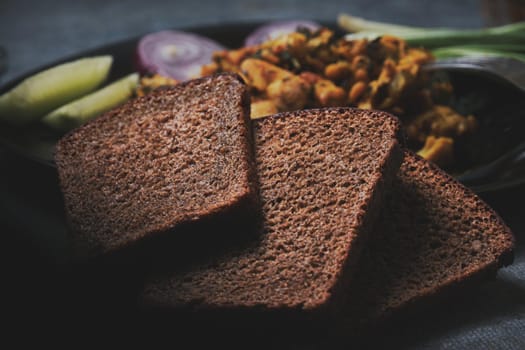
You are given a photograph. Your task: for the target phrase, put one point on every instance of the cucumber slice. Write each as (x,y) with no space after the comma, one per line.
(88,107)
(53,87)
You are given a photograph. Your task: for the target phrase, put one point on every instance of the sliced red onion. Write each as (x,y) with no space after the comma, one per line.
(274,29)
(175,54)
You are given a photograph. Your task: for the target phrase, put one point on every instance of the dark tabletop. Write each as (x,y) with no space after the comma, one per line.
(36,33)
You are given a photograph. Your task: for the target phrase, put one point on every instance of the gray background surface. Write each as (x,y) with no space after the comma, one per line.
(36,33)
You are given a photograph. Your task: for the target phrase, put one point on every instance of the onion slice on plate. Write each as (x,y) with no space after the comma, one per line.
(274,29)
(175,54)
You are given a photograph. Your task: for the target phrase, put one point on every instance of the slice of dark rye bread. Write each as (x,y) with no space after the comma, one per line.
(433,235)
(175,156)
(322,175)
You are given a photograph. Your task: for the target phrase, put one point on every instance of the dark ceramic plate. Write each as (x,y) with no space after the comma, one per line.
(501,115)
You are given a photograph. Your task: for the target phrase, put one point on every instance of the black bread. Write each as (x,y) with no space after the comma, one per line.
(321,178)
(433,234)
(172,157)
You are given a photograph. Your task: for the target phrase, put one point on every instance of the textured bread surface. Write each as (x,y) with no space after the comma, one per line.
(321,177)
(433,234)
(174,156)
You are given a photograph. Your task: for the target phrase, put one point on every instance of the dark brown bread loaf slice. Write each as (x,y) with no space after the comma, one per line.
(433,234)
(175,156)
(321,177)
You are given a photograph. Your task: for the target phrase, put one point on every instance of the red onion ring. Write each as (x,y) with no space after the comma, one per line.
(274,29)
(175,54)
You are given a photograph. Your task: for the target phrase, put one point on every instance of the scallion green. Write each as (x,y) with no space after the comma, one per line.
(506,41)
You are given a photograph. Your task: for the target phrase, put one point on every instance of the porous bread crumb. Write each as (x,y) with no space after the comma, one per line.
(321,175)
(174,156)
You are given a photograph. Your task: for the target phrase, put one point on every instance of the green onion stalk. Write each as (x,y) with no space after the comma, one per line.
(503,41)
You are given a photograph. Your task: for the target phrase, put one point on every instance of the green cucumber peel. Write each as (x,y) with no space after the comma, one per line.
(80,111)
(41,93)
